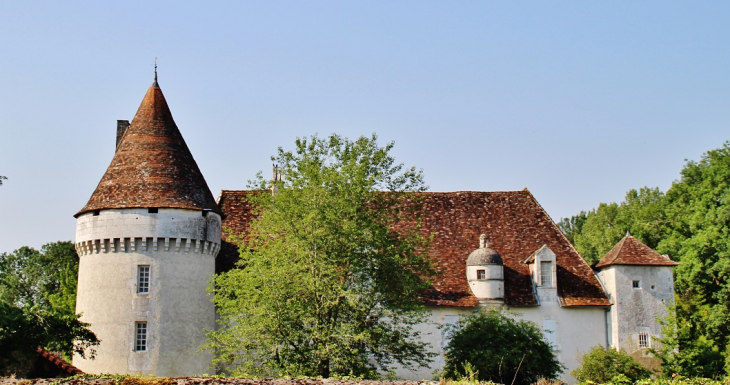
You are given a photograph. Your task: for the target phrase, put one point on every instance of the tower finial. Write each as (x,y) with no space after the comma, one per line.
(154,84)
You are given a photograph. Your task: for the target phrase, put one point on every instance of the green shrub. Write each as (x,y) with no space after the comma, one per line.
(493,347)
(603,365)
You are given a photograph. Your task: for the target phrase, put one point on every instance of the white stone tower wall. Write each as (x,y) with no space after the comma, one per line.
(636,308)
(180,247)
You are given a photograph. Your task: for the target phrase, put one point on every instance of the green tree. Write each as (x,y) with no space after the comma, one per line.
(500,348)
(642,213)
(33,278)
(573,226)
(2,178)
(37,300)
(601,365)
(683,351)
(326,285)
(698,209)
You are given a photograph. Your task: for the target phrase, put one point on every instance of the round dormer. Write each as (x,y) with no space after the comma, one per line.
(485,271)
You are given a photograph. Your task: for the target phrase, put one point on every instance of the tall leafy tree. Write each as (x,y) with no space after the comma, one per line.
(698,210)
(327,286)
(642,213)
(500,349)
(37,302)
(2,178)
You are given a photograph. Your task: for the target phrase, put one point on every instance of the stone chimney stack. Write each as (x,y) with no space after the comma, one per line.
(122,126)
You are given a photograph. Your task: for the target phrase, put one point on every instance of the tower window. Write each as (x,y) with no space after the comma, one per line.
(546,274)
(140,336)
(481,274)
(644,339)
(153,210)
(143,279)
(636,284)
(96,213)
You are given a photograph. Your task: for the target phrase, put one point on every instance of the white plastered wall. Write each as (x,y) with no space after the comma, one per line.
(577,330)
(636,309)
(179,246)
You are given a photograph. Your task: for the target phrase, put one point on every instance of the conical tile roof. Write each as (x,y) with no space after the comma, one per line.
(152,166)
(630,251)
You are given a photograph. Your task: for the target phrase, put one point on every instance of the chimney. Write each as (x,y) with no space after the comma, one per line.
(275,178)
(122,126)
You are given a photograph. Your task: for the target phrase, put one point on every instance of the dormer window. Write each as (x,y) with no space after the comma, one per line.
(546,273)
(481,274)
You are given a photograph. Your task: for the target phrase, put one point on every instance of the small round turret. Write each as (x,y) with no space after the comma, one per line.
(485,271)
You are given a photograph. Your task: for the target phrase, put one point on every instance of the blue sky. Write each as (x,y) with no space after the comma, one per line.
(577,101)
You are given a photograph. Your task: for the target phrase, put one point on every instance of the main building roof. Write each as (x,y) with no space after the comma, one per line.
(152,166)
(515,223)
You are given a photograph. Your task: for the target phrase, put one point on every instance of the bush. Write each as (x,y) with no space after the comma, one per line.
(499,349)
(602,365)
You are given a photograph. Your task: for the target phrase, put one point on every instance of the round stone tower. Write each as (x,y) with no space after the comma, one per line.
(485,272)
(147,241)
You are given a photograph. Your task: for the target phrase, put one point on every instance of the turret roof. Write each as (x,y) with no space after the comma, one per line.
(630,251)
(152,166)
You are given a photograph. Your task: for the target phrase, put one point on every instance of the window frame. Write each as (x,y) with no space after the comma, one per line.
(140,336)
(481,274)
(644,339)
(546,278)
(143,279)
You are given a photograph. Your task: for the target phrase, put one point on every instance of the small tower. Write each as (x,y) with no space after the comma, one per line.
(147,241)
(640,285)
(485,272)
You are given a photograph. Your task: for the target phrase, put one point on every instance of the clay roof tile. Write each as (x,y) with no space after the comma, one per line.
(631,251)
(515,223)
(152,166)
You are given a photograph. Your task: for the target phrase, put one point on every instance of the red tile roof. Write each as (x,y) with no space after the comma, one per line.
(152,166)
(58,361)
(516,225)
(630,251)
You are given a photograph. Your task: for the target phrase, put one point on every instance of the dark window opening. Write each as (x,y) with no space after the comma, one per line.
(153,210)
(636,284)
(481,274)
(97,212)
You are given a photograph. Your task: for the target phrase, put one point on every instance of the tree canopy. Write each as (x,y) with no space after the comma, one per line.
(37,306)
(500,349)
(691,224)
(326,286)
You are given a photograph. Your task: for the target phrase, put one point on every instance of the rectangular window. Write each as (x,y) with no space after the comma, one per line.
(140,336)
(549,328)
(644,339)
(143,279)
(546,274)
(481,274)
(636,284)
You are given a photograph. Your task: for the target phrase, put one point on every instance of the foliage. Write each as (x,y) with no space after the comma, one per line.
(2,178)
(45,278)
(37,300)
(326,286)
(596,232)
(501,349)
(691,224)
(602,365)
